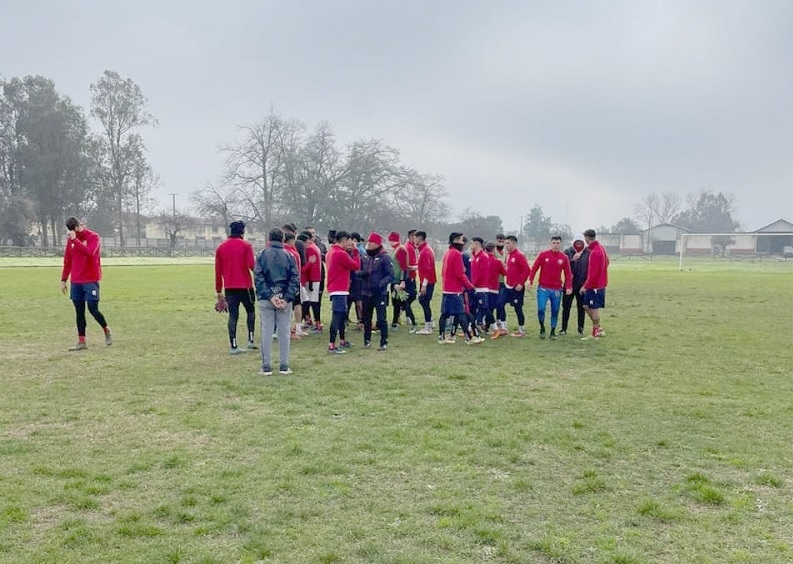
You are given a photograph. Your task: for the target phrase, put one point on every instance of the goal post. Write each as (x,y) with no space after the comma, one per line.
(737,244)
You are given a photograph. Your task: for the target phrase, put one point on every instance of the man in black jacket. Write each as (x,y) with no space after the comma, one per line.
(377,275)
(277,282)
(578,254)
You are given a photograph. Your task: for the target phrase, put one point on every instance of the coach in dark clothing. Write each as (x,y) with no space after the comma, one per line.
(578,254)
(376,276)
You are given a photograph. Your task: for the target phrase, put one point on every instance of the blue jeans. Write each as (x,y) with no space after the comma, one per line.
(543,295)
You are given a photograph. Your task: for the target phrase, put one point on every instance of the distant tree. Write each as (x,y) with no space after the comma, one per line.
(216,202)
(143,180)
(625,226)
(16,213)
(420,201)
(563,230)
(173,222)
(121,108)
(537,225)
(473,224)
(645,211)
(709,212)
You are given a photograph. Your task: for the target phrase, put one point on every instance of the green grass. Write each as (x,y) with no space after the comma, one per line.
(667,441)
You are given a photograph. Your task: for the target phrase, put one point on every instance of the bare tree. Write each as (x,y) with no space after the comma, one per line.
(669,204)
(216,201)
(645,212)
(173,222)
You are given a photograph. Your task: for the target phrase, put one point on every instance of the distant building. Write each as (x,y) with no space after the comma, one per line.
(662,239)
(770,241)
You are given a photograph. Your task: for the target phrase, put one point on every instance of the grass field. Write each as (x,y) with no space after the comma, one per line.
(667,441)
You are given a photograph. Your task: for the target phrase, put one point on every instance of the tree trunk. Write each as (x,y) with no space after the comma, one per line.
(44,238)
(137,219)
(121,241)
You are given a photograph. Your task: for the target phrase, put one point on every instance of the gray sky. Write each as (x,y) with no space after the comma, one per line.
(582,106)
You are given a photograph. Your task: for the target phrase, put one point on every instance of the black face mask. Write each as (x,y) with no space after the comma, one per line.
(458,246)
(499,247)
(373,252)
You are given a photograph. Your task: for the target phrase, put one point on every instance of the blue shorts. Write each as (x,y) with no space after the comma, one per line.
(452,304)
(544,294)
(595,299)
(482,300)
(338,304)
(515,297)
(87,292)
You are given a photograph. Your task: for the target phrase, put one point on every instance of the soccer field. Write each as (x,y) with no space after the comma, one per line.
(667,441)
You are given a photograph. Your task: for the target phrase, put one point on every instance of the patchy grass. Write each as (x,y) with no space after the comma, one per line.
(667,441)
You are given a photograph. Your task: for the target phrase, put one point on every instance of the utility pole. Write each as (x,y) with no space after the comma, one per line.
(173,196)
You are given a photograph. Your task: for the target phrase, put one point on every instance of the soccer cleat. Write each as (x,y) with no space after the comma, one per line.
(108,338)
(252,346)
(496,335)
(518,334)
(552,336)
(382,348)
(345,344)
(542,333)
(334,350)
(424,331)
(562,332)
(601,332)
(81,346)
(413,330)
(580,332)
(474,341)
(395,326)
(266,371)
(367,344)
(285,370)
(449,340)
(236,350)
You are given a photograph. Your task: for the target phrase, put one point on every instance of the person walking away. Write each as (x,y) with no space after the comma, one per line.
(234,262)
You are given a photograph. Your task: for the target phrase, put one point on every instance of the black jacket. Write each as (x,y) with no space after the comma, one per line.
(276,274)
(579,267)
(376,274)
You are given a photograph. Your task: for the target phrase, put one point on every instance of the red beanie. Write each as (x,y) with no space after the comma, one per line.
(393,237)
(375,238)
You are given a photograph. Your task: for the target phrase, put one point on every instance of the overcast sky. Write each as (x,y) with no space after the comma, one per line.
(581,106)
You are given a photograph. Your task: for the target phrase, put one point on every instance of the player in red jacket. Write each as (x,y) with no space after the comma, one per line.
(517,272)
(427,279)
(551,265)
(82,264)
(594,289)
(234,262)
(454,284)
(339,264)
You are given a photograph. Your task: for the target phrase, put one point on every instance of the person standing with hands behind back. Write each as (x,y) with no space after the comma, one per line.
(82,263)
(277,282)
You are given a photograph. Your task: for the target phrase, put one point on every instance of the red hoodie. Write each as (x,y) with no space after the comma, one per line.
(426,264)
(338,265)
(597,272)
(495,270)
(480,269)
(312,270)
(453,272)
(551,265)
(234,262)
(81,258)
(517,269)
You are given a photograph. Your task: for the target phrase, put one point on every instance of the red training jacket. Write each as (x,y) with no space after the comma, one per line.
(551,265)
(338,265)
(292,250)
(453,272)
(312,270)
(234,262)
(495,270)
(412,259)
(81,258)
(517,268)
(426,264)
(597,276)
(480,268)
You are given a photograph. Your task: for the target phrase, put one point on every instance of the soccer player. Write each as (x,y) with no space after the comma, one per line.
(311,276)
(297,307)
(356,250)
(234,262)
(578,254)
(82,264)
(594,288)
(410,283)
(339,263)
(495,270)
(401,266)
(377,274)
(427,279)
(480,267)
(515,281)
(501,301)
(277,282)
(454,284)
(551,264)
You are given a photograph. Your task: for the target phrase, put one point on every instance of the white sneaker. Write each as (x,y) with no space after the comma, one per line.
(424,331)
